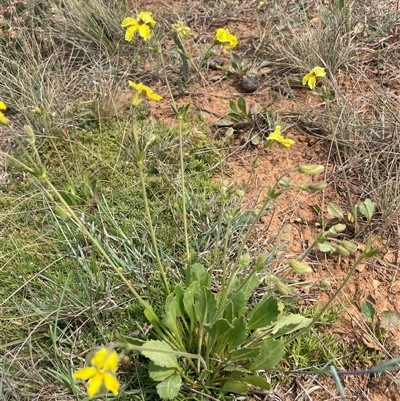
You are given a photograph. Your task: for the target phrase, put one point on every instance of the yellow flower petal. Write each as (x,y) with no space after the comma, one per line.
(111,383)
(130,32)
(146,18)
(85,373)
(226,38)
(128,21)
(143,88)
(181,29)
(3,106)
(319,71)
(95,385)
(3,119)
(277,136)
(145,31)
(111,362)
(99,358)
(286,142)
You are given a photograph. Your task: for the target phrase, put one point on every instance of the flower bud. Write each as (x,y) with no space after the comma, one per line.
(311,169)
(337,228)
(313,186)
(349,246)
(341,250)
(284,182)
(261,258)
(300,267)
(30,134)
(280,286)
(244,260)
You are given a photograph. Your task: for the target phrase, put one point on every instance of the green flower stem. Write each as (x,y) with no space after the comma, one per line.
(139,161)
(182,164)
(182,168)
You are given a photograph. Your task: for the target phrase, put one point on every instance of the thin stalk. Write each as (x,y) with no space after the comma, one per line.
(139,161)
(183,188)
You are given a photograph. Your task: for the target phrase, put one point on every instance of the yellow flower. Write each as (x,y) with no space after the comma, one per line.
(145,17)
(142,90)
(144,24)
(311,77)
(276,136)
(101,374)
(3,118)
(224,37)
(181,29)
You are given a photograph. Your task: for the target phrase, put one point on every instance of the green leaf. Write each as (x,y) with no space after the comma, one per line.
(205,305)
(326,247)
(234,386)
(219,329)
(159,373)
(367,209)
(257,382)
(245,353)
(271,353)
(169,388)
(368,310)
(199,273)
(233,107)
(236,370)
(335,210)
(242,105)
(157,354)
(179,293)
(264,314)
(290,323)
(170,319)
(238,334)
(188,301)
(390,320)
(224,122)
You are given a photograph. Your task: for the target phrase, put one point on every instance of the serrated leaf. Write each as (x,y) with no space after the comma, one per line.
(159,373)
(335,210)
(264,314)
(368,310)
(155,352)
(169,388)
(205,305)
(390,320)
(290,323)
(234,386)
(257,382)
(271,353)
(367,209)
